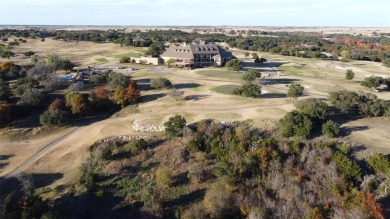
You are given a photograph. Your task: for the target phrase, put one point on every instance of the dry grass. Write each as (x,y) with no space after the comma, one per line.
(319,77)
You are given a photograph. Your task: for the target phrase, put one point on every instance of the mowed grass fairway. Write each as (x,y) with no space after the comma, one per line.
(225,89)
(224,74)
(103,60)
(134,53)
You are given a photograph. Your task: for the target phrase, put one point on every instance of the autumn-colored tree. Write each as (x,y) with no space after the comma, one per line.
(119,96)
(100,99)
(79,103)
(5,67)
(57,104)
(101,92)
(132,93)
(371,206)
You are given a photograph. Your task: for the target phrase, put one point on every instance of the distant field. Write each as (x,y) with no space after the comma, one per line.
(103,60)
(221,74)
(225,89)
(134,53)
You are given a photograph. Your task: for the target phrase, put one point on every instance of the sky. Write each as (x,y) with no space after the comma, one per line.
(351,13)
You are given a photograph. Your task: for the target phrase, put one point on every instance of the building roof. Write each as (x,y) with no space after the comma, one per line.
(189,50)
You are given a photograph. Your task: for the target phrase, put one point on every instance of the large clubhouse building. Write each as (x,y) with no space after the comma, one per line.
(196,55)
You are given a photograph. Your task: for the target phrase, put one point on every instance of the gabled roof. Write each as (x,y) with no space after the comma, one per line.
(188,51)
(181,51)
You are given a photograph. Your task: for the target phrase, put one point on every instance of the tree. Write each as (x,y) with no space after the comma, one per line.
(66,65)
(345,55)
(371,106)
(345,101)
(119,96)
(132,93)
(296,124)
(52,82)
(79,103)
(175,93)
(234,64)
(379,163)
(295,90)
(372,82)
(53,118)
(155,49)
(174,126)
(217,200)
(118,80)
(53,60)
(170,61)
(21,85)
(349,75)
(124,59)
(246,54)
(57,104)
(348,168)
(97,79)
(314,108)
(248,90)
(330,129)
(40,72)
(29,53)
(160,83)
(32,96)
(251,75)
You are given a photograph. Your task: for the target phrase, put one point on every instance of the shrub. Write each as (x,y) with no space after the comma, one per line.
(234,64)
(196,211)
(174,126)
(160,83)
(346,167)
(370,106)
(164,177)
(372,82)
(135,146)
(380,163)
(251,75)
(330,129)
(217,200)
(296,124)
(345,101)
(314,108)
(124,60)
(349,75)
(295,90)
(53,118)
(248,90)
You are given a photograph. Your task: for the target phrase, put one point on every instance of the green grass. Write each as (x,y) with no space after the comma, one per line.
(225,89)
(103,60)
(133,53)
(304,70)
(221,74)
